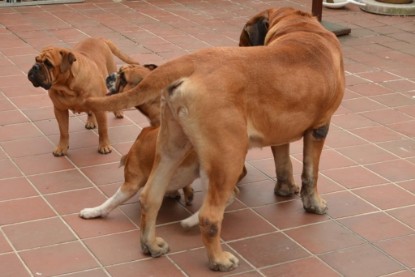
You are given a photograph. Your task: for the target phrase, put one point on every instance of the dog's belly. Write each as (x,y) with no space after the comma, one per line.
(185,176)
(276,132)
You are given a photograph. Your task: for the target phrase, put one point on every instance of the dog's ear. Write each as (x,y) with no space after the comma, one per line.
(68,58)
(255,30)
(150,66)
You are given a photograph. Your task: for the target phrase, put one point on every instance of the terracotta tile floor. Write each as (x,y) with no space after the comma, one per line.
(367,168)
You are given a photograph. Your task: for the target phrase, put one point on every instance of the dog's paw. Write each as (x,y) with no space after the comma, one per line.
(106,149)
(191,221)
(286,189)
(60,151)
(88,213)
(156,249)
(119,114)
(314,204)
(225,262)
(90,125)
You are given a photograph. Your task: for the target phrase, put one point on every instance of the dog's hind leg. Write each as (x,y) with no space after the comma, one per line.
(110,204)
(172,148)
(285,185)
(313,145)
(134,180)
(91,121)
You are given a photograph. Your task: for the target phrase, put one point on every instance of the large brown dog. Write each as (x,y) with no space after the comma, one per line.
(71,76)
(220,102)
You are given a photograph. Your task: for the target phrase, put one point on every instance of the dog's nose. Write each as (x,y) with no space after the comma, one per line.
(35,67)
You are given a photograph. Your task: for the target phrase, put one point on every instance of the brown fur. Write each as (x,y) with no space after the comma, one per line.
(220,102)
(71,76)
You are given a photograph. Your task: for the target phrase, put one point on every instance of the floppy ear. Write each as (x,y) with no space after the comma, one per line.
(67,60)
(254,31)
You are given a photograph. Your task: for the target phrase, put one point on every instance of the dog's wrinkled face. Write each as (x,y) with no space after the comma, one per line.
(127,77)
(50,63)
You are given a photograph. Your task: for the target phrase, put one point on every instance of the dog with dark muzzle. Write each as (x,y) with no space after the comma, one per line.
(71,76)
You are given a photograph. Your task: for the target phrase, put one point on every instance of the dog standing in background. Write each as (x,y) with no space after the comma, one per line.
(71,76)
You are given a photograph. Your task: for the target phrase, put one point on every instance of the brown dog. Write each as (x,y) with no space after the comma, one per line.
(261,96)
(71,76)
(139,160)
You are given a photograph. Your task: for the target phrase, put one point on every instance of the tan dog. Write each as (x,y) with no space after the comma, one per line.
(220,102)
(71,76)
(139,160)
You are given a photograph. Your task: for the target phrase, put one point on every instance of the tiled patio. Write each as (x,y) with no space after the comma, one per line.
(367,168)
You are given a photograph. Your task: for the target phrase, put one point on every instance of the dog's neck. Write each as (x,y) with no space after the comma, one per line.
(152,111)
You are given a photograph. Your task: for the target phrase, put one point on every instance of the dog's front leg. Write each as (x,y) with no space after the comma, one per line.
(313,145)
(104,143)
(62,116)
(285,185)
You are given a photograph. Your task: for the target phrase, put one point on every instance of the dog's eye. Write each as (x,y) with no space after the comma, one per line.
(48,63)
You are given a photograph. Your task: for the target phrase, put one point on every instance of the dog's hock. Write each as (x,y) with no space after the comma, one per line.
(321,133)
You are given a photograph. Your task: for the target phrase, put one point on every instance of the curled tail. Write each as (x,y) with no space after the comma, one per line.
(117,52)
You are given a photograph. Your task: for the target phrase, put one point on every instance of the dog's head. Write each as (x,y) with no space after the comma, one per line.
(127,77)
(50,65)
(256,30)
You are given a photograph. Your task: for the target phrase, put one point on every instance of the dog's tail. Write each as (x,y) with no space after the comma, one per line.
(147,90)
(117,52)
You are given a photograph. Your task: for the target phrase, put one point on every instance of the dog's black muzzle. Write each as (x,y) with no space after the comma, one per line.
(35,76)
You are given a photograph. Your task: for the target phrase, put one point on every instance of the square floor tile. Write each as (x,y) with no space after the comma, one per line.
(367,154)
(376,226)
(386,196)
(74,201)
(406,215)
(244,223)
(195,263)
(27,147)
(398,170)
(20,210)
(270,249)
(116,248)
(378,134)
(114,223)
(289,214)
(345,203)
(11,266)
(260,193)
(60,181)
(354,177)
(310,267)
(324,237)
(38,233)
(58,259)
(364,260)
(9,169)
(105,174)
(402,249)
(16,188)
(156,267)
(42,163)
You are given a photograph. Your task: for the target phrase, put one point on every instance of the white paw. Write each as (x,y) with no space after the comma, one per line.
(91,213)
(191,221)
